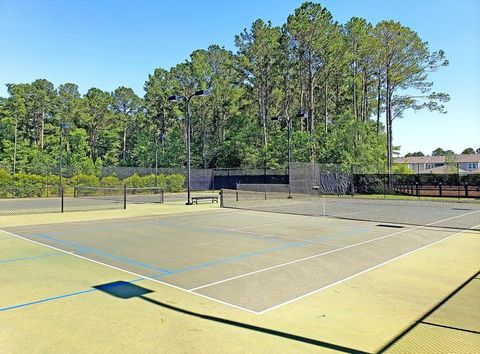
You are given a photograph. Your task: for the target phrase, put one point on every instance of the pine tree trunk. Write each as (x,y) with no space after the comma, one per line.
(355,113)
(124,152)
(326,106)
(42,131)
(379,86)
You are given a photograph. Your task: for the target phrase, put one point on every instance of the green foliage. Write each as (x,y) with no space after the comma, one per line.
(110,181)
(402,169)
(85,180)
(5,179)
(343,76)
(175,183)
(468,151)
(134,181)
(413,154)
(28,185)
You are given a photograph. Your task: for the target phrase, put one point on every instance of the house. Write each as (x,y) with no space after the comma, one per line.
(462,164)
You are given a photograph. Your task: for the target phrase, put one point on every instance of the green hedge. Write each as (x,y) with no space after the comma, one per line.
(31,185)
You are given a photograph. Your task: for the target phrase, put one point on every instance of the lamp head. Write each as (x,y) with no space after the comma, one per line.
(202,93)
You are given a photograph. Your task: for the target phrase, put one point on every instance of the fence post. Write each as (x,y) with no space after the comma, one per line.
(353,181)
(124,196)
(162,197)
(221,198)
(62,199)
(417,190)
(439,189)
(466,189)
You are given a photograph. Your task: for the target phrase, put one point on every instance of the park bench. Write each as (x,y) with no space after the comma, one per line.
(212,198)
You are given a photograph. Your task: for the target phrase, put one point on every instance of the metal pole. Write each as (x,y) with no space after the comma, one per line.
(15,145)
(188,151)
(156,162)
(60,156)
(289,131)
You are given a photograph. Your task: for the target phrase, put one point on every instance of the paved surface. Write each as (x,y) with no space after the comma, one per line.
(54,301)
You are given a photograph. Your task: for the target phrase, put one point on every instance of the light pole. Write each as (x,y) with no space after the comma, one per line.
(176,98)
(63,126)
(300,114)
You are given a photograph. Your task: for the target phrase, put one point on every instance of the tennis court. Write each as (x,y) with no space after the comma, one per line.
(253,261)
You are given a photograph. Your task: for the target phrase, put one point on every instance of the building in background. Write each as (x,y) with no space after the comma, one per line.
(461,164)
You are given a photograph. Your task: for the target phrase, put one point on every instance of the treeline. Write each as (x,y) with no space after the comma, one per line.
(342,86)
(442,152)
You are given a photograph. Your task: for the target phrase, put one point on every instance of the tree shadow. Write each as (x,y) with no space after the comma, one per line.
(125,290)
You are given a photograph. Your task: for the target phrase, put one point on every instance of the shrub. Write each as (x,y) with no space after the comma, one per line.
(5,179)
(175,183)
(85,180)
(134,181)
(149,180)
(29,185)
(110,181)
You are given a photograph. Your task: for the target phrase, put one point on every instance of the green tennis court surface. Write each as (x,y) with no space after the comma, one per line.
(255,261)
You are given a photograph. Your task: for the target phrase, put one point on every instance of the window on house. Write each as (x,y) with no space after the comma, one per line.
(472,166)
(430,165)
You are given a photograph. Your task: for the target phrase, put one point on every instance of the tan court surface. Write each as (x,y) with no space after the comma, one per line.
(202,279)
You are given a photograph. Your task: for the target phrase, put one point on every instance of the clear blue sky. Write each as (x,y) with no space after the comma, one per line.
(110,43)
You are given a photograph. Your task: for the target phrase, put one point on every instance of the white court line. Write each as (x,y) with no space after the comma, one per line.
(260,234)
(260,225)
(362,272)
(133,273)
(355,212)
(324,253)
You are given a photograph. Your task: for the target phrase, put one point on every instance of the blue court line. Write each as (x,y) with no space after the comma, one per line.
(58,297)
(186,269)
(83,249)
(32,257)
(230,259)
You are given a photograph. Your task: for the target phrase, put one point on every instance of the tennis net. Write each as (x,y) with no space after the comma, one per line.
(129,195)
(434,213)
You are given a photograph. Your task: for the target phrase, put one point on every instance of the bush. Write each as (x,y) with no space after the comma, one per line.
(175,183)
(5,179)
(134,181)
(110,181)
(85,180)
(29,185)
(149,180)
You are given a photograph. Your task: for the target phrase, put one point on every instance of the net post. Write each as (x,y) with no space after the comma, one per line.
(162,196)
(61,199)
(124,196)
(74,191)
(221,198)
(236,194)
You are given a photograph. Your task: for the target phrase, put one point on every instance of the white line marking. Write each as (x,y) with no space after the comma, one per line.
(133,273)
(324,253)
(260,225)
(356,212)
(260,234)
(362,272)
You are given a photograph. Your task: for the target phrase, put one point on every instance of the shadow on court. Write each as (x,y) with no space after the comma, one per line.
(454,319)
(125,290)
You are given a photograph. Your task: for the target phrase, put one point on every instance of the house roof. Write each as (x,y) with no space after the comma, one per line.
(462,158)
